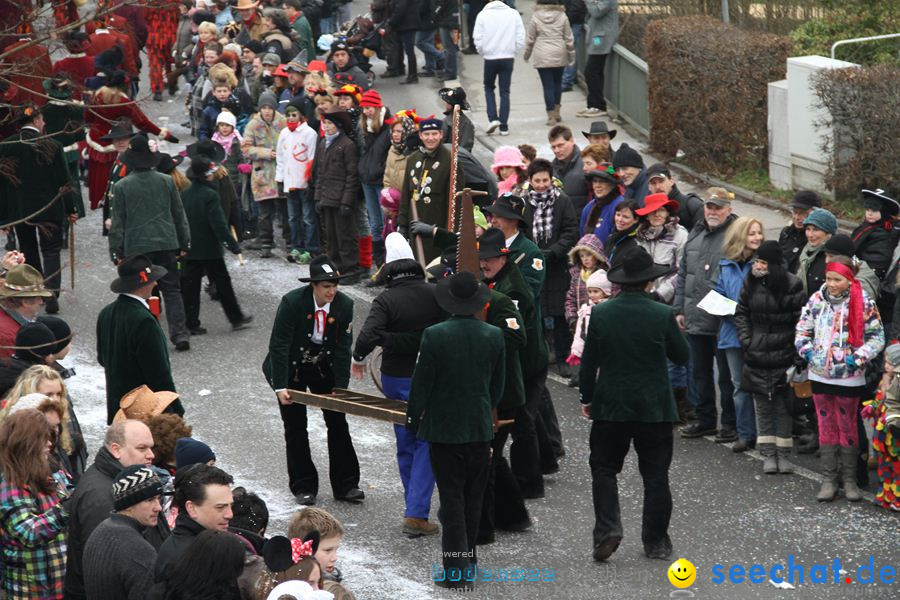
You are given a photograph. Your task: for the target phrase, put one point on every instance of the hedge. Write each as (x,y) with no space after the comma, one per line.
(864,107)
(708,94)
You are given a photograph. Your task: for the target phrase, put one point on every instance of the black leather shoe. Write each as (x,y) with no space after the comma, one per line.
(695,430)
(197,330)
(743,446)
(605,549)
(354,495)
(532,495)
(305,499)
(661,549)
(726,434)
(183,346)
(51,305)
(243,323)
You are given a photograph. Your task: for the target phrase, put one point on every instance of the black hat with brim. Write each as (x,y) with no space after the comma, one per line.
(600,128)
(603,174)
(206,148)
(504,206)
(341,118)
(322,269)
(889,206)
(134,273)
(120,129)
(454,96)
(636,266)
(462,294)
(139,155)
(492,244)
(168,163)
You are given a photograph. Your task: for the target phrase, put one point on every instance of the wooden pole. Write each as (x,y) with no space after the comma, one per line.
(414,213)
(240,254)
(452,224)
(466,248)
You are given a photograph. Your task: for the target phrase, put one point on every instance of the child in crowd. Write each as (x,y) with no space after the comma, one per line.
(324,103)
(875,238)
(466,131)
(838,334)
(294,156)
(331,533)
(223,83)
(227,136)
(884,412)
(289,560)
(586,257)
(390,205)
(599,289)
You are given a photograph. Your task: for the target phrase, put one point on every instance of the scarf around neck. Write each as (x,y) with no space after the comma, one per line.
(542,220)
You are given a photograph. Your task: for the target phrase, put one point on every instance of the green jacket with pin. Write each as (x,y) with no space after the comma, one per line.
(509,281)
(209,229)
(501,312)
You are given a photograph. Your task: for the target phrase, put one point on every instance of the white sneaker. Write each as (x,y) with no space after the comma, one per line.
(492,126)
(504,132)
(590,112)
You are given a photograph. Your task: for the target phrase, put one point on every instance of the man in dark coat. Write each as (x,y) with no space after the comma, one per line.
(690,211)
(343,68)
(126,443)
(452,406)
(626,392)
(396,321)
(118,561)
(310,350)
(204,500)
(338,192)
(567,166)
(426,181)
(466,132)
(42,181)
(148,218)
(792,238)
(629,166)
(131,346)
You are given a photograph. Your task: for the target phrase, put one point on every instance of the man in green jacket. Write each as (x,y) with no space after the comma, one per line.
(131,346)
(209,235)
(310,349)
(625,389)
(452,405)
(148,218)
(531,453)
(508,215)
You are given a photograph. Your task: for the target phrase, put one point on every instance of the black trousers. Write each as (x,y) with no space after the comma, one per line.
(267,210)
(341,244)
(552,433)
(460,472)
(191,283)
(408,42)
(532,450)
(503,506)
(170,289)
(610,442)
(41,245)
(343,466)
(594,75)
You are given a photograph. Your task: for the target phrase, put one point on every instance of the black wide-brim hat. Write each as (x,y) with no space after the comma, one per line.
(454,96)
(636,266)
(322,269)
(889,206)
(599,128)
(341,118)
(135,272)
(462,294)
(504,206)
(206,148)
(139,155)
(168,163)
(492,244)
(120,129)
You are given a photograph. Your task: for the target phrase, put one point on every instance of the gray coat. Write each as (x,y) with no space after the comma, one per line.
(571,173)
(602,25)
(697,275)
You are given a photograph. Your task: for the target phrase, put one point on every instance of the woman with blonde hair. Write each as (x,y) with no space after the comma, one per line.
(41,379)
(739,247)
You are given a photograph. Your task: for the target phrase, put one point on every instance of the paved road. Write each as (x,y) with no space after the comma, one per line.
(726,511)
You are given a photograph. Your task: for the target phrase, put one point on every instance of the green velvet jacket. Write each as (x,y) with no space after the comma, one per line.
(509,281)
(530,261)
(131,348)
(458,381)
(209,229)
(502,313)
(292,334)
(623,374)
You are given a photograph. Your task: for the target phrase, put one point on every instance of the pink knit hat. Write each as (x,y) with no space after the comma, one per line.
(598,280)
(390,198)
(507,156)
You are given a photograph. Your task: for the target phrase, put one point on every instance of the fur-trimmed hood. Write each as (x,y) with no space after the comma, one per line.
(590,243)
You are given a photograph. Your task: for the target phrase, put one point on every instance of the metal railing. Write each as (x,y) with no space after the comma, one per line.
(872,38)
(625,88)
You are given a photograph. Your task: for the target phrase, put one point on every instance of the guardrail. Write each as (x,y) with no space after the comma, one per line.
(625,88)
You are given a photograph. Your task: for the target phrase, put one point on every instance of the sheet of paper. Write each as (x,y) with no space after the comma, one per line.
(716,304)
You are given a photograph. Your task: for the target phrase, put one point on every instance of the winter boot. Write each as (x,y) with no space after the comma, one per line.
(556,110)
(685,408)
(849,456)
(378,252)
(770,462)
(551,118)
(365,253)
(828,460)
(784,457)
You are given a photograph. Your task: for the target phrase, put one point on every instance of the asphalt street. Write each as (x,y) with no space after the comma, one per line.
(726,512)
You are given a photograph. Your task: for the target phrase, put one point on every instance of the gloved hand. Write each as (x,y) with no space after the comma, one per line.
(234,247)
(421,229)
(172,138)
(345,211)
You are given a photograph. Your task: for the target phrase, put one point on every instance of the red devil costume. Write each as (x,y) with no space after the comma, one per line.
(162,23)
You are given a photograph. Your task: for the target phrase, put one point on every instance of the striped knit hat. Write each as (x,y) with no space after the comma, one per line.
(135,484)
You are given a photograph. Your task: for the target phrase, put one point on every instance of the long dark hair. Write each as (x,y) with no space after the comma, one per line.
(23,438)
(599,206)
(208,569)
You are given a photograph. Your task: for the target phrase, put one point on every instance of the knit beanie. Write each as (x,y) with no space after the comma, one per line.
(598,280)
(892,353)
(396,248)
(822,219)
(371,98)
(35,338)
(267,99)
(271,59)
(626,156)
(840,244)
(189,451)
(770,251)
(227,118)
(61,331)
(135,484)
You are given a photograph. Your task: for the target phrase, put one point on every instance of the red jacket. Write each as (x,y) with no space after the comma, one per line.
(99,118)
(104,39)
(9,327)
(30,65)
(78,66)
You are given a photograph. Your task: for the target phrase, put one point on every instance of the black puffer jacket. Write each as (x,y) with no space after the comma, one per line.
(405,16)
(792,241)
(875,243)
(398,316)
(765,327)
(373,159)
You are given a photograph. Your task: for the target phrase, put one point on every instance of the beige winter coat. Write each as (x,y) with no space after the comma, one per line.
(549,38)
(394,169)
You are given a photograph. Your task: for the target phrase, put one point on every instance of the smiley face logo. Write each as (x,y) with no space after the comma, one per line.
(682,573)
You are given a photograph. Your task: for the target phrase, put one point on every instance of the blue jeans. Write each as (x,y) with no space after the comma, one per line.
(372,193)
(745,415)
(551,81)
(413,457)
(702,383)
(571,73)
(326,25)
(425,43)
(303,220)
(501,68)
(451,50)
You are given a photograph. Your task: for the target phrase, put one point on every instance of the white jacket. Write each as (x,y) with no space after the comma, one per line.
(294,156)
(499,31)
